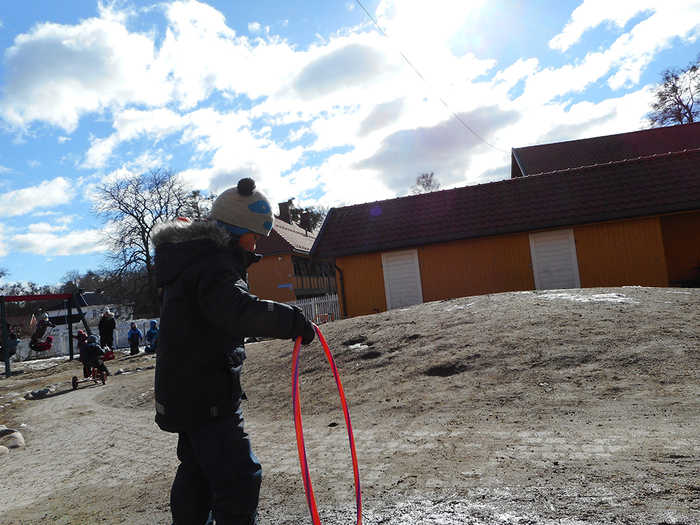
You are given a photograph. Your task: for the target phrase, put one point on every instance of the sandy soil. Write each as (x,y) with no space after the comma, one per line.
(560,407)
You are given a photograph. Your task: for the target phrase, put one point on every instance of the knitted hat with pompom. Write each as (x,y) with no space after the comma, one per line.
(243,209)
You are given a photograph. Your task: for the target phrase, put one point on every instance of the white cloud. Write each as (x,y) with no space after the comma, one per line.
(36,198)
(45,227)
(131,124)
(261,107)
(49,244)
(4,245)
(447,149)
(56,73)
(592,13)
(633,50)
(382,115)
(350,66)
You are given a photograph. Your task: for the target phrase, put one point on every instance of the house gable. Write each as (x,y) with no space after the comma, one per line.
(286,238)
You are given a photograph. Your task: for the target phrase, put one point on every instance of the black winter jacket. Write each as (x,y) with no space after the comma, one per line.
(90,353)
(206,313)
(106,326)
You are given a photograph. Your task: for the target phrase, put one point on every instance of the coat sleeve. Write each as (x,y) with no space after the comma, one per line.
(224,298)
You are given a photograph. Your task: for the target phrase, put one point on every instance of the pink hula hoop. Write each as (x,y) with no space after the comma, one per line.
(310,498)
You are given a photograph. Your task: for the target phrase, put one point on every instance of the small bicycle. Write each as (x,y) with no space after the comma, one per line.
(95,376)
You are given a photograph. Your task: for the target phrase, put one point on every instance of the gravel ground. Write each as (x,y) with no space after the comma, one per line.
(558,407)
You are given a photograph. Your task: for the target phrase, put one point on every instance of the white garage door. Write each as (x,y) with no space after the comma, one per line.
(402,279)
(554,260)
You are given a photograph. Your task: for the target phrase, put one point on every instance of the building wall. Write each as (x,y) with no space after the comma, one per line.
(449,270)
(362,283)
(272,279)
(476,267)
(621,253)
(681,233)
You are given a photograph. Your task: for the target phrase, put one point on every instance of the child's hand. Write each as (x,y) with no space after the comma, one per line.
(302,327)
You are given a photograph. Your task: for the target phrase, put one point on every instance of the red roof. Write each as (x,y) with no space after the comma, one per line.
(617,190)
(286,238)
(544,158)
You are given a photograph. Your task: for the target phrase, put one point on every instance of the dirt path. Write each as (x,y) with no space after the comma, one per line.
(569,407)
(78,446)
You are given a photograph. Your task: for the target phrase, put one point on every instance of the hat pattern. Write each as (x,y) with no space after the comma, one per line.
(243,209)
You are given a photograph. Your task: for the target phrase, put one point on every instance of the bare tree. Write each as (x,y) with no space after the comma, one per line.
(425,183)
(198,205)
(676,97)
(130,207)
(317,214)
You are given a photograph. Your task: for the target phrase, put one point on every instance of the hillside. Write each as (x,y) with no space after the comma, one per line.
(567,407)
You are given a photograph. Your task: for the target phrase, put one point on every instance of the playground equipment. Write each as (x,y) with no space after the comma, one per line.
(71,302)
(41,340)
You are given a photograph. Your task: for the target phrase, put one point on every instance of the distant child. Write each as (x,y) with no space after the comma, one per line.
(39,341)
(91,356)
(82,339)
(152,338)
(135,337)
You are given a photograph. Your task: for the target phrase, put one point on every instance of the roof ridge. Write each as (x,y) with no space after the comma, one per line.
(613,163)
(661,129)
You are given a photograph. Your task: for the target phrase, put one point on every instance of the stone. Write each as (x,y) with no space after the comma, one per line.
(40,394)
(14,440)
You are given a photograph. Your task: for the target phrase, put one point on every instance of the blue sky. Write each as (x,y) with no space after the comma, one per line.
(308,98)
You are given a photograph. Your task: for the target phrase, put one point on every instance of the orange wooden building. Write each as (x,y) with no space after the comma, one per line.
(287,272)
(621,221)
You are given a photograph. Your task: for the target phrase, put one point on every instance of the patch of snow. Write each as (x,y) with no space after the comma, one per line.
(457,307)
(594,298)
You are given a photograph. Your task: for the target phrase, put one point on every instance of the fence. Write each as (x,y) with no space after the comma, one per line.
(328,306)
(318,309)
(60,346)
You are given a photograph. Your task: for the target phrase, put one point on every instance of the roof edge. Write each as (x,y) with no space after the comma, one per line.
(326,221)
(511,230)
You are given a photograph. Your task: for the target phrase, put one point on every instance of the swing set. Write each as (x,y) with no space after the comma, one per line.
(41,341)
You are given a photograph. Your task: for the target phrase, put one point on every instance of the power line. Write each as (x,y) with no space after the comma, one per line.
(426,82)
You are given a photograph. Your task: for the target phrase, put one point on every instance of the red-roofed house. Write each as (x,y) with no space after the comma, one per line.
(612,223)
(544,158)
(287,272)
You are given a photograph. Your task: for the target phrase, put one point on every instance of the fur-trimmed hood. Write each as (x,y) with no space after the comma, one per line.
(184,231)
(180,244)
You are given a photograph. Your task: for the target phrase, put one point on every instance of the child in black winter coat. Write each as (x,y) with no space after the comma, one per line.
(207,312)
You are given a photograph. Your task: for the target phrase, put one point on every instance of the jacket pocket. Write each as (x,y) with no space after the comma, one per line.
(235,360)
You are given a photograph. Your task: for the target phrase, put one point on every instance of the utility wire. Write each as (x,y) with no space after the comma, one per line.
(426,82)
